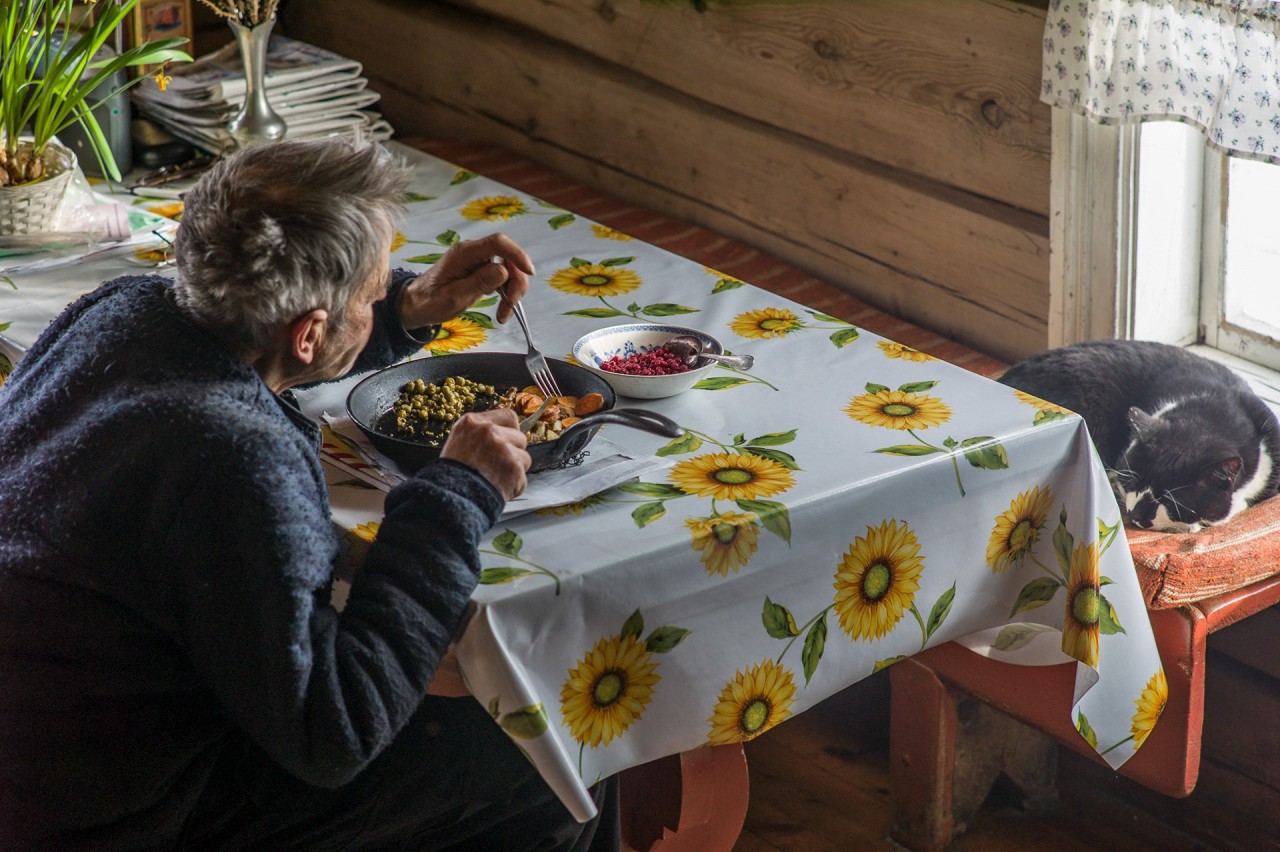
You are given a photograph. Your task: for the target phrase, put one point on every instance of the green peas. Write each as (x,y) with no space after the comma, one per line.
(427,412)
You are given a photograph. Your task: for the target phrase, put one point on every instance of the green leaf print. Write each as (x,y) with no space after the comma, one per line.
(888,661)
(1063,542)
(719,383)
(525,723)
(647,513)
(508,574)
(821,317)
(940,611)
(664,639)
(1037,593)
(908,450)
(1106,535)
(558,222)
(411,197)
(725,284)
(425,258)
(617,261)
(772,439)
(577,261)
(651,489)
(844,337)
(814,644)
(595,313)
(1043,417)
(633,626)
(448,238)
(666,309)
(547,204)
(985,452)
(872,387)
(785,459)
(1086,730)
(774,516)
(478,318)
(687,443)
(917,387)
(778,620)
(1016,636)
(462,176)
(1108,621)
(508,543)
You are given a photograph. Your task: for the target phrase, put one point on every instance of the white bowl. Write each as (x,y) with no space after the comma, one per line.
(599,346)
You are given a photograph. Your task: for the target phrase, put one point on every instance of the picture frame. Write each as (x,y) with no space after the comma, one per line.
(157,19)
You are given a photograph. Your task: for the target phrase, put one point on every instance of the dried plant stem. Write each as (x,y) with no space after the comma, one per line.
(248,13)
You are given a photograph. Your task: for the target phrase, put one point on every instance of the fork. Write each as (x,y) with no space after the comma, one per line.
(532,420)
(534,361)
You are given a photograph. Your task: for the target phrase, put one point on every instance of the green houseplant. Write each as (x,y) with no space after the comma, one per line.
(46,84)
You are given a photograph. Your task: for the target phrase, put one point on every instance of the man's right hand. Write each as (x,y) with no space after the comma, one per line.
(491,442)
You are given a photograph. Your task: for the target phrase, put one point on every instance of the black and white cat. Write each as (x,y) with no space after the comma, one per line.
(1187,444)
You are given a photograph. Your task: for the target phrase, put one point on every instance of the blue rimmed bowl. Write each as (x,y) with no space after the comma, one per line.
(621,341)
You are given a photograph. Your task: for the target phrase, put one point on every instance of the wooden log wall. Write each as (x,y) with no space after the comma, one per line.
(896,148)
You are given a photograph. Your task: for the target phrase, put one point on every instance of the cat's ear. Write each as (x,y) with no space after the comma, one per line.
(1140,421)
(1224,473)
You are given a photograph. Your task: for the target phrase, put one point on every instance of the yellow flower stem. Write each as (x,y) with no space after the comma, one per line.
(728,448)
(800,632)
(924,634)
(1117,745)
(951,453)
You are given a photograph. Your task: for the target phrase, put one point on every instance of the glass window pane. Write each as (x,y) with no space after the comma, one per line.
(1252,274)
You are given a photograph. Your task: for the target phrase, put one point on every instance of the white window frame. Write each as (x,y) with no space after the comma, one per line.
(1096,286)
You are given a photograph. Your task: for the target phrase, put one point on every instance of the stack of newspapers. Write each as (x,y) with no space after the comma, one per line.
(317,93)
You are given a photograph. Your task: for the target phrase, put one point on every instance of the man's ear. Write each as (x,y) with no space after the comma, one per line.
(306,333)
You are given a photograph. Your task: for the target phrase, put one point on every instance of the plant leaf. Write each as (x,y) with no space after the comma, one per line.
(726,284)
(844,337)
(478,318)
(785,459)
(686,443)
(874,388)
(917,387)
(448,238)
(497,576)
(664,639)
(985,452)
(1063,543)
(616,261)
(633,626)
(774,516)
(815,642)
(778,620)
(647,513)
(1086,730)
(941,609)
(525,723)
(908,450)
(888,661)
(425,258)
(1037,593)
(1015,636)
(667,309)
(558,222)
(651,489)
(594,313)
(719,383)
(773,439)
(507,542)
(1108,621)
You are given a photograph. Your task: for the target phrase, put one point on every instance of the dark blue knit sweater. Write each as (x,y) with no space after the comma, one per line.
(166,554)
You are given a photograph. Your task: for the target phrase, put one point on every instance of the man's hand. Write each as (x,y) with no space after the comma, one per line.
(491,442)
(468,271)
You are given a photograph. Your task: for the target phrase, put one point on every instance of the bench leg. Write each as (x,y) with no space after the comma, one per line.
(692,802)
(946,750)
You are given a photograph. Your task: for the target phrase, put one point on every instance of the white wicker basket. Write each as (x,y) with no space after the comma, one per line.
(33,207)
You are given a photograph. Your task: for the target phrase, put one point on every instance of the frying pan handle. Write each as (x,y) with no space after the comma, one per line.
(636,418)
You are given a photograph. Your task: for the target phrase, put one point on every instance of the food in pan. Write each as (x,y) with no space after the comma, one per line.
(425,412)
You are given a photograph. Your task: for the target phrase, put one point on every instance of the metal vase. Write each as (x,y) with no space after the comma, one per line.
(257,122)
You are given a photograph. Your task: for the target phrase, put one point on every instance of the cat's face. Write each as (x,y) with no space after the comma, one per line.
(1171,481)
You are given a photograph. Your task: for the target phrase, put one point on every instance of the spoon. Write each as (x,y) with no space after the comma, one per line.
(690,350)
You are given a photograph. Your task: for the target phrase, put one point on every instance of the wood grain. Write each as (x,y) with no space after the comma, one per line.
(964,266)
(946,90)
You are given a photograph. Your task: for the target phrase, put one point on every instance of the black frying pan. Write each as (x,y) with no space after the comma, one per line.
(375,395)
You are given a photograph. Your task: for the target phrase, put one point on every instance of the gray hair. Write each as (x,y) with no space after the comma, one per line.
(274,231)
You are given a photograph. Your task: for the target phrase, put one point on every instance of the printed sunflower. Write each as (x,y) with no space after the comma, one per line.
(731,476)
(604,232)
(724,542)
(494,208)
(456,335)
(766,323)
(877,580)
(1150,705)
(608,689)
(897,409)
(595,279)
(1082,622)
(1017,529)
(903,352)
(575,508)
(752,703)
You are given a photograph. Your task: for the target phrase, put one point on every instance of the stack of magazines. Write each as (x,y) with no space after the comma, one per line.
(317,93)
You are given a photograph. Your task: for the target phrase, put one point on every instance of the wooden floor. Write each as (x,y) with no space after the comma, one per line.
(820,783)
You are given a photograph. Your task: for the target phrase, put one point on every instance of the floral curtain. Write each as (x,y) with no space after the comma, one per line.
(1213,63)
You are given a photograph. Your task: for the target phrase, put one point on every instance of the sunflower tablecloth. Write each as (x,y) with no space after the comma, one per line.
(846,503)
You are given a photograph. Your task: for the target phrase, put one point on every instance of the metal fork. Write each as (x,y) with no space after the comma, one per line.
(534,361)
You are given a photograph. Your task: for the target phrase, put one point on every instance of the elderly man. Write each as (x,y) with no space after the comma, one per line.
(172,673)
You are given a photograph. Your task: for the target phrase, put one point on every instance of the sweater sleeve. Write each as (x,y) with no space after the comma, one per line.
(390,341)
(322,691)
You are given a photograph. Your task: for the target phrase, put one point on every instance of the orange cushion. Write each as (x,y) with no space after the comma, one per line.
(1180,568)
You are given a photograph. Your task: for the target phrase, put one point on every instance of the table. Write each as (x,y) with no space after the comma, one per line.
(845,504)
